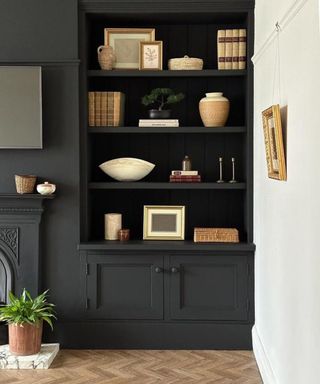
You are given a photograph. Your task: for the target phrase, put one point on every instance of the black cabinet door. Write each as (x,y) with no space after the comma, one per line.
(125,287)
(208,287)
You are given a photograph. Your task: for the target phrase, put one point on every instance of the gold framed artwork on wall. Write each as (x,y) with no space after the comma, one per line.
(273,139)
(126,44)
(150,55)
(163,222)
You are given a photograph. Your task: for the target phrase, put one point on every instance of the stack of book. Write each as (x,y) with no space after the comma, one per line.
(106,109)
(185,177)
(232,48)
(158,123)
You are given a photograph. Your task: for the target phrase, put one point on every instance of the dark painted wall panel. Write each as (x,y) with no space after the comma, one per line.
(58,163)
(38,30)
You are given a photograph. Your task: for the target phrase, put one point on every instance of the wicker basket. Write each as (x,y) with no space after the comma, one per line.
(25,183)
(216,235)
(185,63)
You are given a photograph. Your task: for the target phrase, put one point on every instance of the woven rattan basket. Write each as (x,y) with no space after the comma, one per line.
(216,235)
(25,183)
(185,63)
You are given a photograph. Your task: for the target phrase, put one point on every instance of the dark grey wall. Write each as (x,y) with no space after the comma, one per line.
(44,32)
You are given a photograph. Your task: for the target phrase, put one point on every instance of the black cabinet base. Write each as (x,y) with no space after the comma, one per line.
(155,335)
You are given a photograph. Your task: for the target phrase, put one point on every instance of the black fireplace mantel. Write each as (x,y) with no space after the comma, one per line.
(20,217)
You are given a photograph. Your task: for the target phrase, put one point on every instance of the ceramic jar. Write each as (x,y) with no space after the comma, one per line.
(106,57)
(214,109)
(46,188)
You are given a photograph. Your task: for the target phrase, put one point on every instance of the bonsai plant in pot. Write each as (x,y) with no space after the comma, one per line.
(24,316)
(161,98)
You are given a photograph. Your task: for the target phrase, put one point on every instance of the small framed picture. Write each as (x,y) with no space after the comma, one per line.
(125,43)
(150,55)
(161,222)
(272,130)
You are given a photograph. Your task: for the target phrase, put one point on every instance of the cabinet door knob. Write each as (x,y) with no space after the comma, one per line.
(174,270)
(157,269)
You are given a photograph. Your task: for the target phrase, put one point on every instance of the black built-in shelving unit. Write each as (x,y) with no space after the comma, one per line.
(185,28)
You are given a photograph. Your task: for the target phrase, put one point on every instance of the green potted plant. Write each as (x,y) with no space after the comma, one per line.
(161,98)
(24,316)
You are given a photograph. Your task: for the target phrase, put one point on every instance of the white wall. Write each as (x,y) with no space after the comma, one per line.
(287,214)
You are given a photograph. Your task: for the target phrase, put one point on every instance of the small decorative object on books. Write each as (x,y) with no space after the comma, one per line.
(274,143)
(127,168)
(161,98)
(214,109)
(106,109)
(150,55)
(46,188)
(163,222)
(216,235)
(126,44)
(185,63)
(231,47)
(106,57)
(186,164)
(112,226)
(158,123)
(25,183)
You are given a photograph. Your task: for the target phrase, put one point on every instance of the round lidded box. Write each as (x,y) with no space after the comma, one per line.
(185,63)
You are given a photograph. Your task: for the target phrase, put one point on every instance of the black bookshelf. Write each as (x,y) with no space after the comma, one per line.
(181,278)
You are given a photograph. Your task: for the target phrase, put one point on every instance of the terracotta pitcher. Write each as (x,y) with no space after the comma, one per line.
(106,57)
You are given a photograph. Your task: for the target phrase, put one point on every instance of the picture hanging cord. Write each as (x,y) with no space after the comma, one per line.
(276,99)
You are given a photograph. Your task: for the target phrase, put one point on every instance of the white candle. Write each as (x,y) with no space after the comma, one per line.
(112,225)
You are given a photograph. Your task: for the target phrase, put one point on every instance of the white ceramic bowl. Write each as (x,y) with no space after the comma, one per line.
(127,168)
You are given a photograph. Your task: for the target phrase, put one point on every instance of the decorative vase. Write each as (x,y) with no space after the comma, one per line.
(106,57)
(25,339)
(156,114)
(214,109)
(46,188)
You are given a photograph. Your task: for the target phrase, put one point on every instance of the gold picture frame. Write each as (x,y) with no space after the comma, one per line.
(163,222)
(273,139)
(150,55)
(126,45)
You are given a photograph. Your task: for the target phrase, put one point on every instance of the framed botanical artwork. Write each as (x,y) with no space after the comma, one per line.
(274,143)
(150,55)
(126,44)
(162,222)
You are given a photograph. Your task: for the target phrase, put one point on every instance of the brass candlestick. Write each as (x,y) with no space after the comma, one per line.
(220,171)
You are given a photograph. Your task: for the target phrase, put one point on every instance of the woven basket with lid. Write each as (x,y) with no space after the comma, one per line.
(185,63)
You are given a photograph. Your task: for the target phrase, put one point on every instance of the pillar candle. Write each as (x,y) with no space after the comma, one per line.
(112,225)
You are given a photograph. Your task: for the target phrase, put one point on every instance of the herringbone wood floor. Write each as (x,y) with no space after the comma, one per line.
(142,367)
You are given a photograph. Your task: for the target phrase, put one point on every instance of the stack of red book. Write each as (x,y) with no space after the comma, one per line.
(185,177)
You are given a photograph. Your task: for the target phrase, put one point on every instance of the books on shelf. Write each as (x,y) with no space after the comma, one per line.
(184,173)
(221,36)
(185,179)
(158,123)
(232,48)
(106,109)
(242,48)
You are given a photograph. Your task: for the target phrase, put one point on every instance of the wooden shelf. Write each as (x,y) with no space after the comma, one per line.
(210,130)
(154,185)
(167,73)
(167,245)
